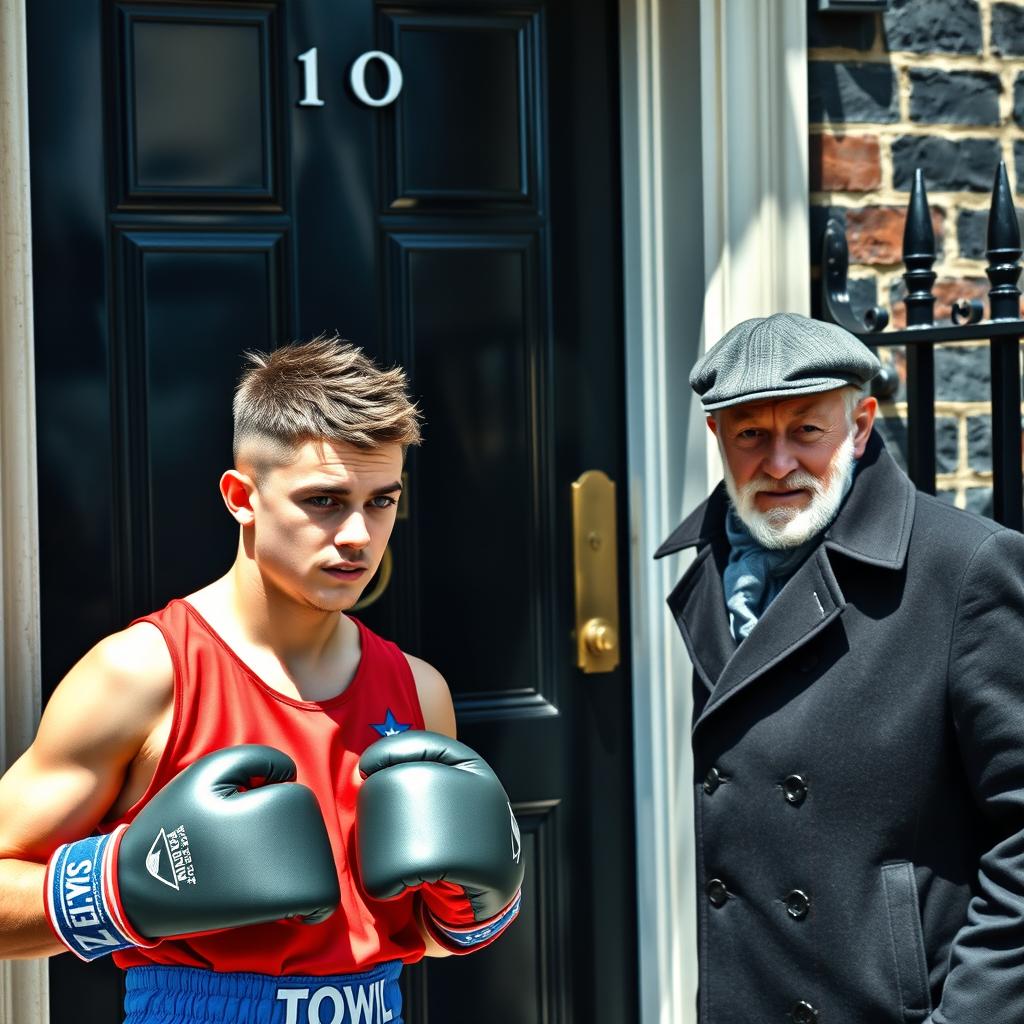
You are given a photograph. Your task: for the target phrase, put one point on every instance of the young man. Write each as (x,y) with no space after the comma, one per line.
(216,885)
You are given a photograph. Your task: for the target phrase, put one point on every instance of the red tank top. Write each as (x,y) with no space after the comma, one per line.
(220,702)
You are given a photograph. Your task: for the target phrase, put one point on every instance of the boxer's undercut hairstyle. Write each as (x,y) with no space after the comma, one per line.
(325,389)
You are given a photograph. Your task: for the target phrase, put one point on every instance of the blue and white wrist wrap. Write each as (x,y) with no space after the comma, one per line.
(82,901)
(466,938)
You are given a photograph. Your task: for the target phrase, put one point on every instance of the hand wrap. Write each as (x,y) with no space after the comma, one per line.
(448,916)
(83,905)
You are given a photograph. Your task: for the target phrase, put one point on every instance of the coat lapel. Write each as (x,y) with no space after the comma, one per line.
(874,525)
(698,601)
(873,528)
(806,605)
(698,606)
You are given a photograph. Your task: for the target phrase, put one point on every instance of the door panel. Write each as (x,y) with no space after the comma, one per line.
(184,293)
(471,328)
(196,112)
(466,132)
(188,208)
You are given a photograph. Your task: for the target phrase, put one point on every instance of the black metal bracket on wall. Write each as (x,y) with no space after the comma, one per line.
(1003,331)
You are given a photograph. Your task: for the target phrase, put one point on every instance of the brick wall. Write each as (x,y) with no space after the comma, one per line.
(936,84)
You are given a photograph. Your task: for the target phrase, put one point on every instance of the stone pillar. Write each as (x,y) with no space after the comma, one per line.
(23,984)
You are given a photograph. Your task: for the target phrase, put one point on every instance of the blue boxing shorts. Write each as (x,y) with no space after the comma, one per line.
(189,995)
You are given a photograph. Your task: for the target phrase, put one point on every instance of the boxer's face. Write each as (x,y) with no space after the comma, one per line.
(787,461)
(320,523)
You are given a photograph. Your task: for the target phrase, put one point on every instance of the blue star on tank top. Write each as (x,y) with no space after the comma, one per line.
(390,726)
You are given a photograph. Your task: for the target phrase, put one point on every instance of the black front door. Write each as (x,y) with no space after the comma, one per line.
(439,183)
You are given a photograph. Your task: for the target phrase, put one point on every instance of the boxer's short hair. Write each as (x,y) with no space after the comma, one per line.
(326,389)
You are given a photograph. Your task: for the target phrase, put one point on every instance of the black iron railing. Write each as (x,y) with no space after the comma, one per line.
(1003,331)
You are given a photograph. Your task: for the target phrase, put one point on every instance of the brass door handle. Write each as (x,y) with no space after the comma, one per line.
(595,564)
(387,564)
(600,637)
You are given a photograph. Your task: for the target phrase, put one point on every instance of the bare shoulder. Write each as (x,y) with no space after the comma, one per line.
(138,650)
(108,703)
(435,698)
(94,725)
(133,667)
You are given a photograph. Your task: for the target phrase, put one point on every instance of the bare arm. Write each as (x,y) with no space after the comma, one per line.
(435,699)
(95,724)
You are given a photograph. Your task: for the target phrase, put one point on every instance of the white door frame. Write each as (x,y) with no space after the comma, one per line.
(715,229)
(23,984)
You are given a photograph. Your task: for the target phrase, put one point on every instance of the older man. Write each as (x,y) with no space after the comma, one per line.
(858,730)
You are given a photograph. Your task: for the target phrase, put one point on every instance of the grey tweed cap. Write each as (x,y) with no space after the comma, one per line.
(780,356)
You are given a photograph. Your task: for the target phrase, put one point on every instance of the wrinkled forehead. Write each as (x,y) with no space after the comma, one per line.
(821,403)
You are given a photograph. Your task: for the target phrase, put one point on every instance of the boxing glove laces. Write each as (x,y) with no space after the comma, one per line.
(432,815)
(232,840)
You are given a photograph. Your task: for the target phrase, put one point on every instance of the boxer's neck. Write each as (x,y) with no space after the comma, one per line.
(305,653)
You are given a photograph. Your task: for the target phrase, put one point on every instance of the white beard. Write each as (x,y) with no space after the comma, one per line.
(784,526)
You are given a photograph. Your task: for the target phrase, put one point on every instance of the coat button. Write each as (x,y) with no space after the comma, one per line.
(804,1013)
(717,892)
(797,904)
(712,781)
(794,789)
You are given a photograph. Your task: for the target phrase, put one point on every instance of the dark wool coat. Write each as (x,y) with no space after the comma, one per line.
(859,769)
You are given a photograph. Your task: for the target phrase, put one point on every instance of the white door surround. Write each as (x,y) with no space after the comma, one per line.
(715,230)
(23,984)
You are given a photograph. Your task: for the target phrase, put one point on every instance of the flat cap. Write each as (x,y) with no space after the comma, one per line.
(780,356)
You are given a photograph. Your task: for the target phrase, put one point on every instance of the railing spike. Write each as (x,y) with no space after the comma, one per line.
(918,233)
(1004,331)
(919,255)
(1004,250)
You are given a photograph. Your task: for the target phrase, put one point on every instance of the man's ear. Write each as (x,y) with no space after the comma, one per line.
(712,425)
(237,490)
(863,421)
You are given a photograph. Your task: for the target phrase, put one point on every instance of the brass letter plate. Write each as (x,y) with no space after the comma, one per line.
(595,562)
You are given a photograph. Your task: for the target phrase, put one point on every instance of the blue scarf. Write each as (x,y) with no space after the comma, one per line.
(755,575)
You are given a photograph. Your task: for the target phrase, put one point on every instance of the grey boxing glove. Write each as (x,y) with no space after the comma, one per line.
(232,840)
(432,815)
